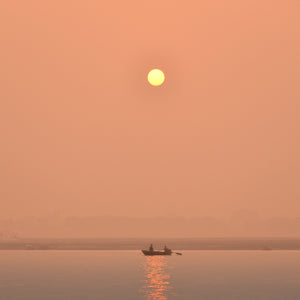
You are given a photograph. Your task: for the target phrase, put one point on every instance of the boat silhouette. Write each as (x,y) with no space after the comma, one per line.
(151,251)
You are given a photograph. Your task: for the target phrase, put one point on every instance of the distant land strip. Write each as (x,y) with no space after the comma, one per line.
(137,244)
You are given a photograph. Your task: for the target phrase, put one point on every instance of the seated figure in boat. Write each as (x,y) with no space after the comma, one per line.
(167,250)
(151,248)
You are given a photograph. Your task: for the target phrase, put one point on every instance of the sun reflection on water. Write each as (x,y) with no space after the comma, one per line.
(157,278)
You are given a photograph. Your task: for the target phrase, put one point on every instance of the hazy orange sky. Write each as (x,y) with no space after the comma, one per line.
(83,133)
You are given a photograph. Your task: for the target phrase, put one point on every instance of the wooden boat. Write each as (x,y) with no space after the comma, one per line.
(151,251)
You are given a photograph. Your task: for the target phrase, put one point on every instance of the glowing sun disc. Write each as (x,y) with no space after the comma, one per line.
(156,77)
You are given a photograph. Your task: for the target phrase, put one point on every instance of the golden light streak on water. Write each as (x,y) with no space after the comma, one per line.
(157,278)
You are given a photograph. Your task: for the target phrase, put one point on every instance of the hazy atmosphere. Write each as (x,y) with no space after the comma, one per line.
(89,148)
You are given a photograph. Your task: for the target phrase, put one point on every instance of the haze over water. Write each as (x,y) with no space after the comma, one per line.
(83,134)
(94,275)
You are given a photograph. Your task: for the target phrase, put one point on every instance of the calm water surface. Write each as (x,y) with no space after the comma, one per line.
(91,275)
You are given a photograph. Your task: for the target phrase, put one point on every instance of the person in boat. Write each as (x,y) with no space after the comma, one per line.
(166,249)
(151,248)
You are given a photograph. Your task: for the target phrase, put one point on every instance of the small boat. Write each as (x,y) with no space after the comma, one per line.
(151,251)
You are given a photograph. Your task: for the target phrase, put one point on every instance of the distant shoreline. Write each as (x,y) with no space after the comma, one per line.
(137,244)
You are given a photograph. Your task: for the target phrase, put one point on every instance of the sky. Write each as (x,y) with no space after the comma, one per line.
(84,134)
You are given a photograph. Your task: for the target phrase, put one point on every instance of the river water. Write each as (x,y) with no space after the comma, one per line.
(94,275)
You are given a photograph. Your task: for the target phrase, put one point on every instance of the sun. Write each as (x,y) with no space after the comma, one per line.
(156,77)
